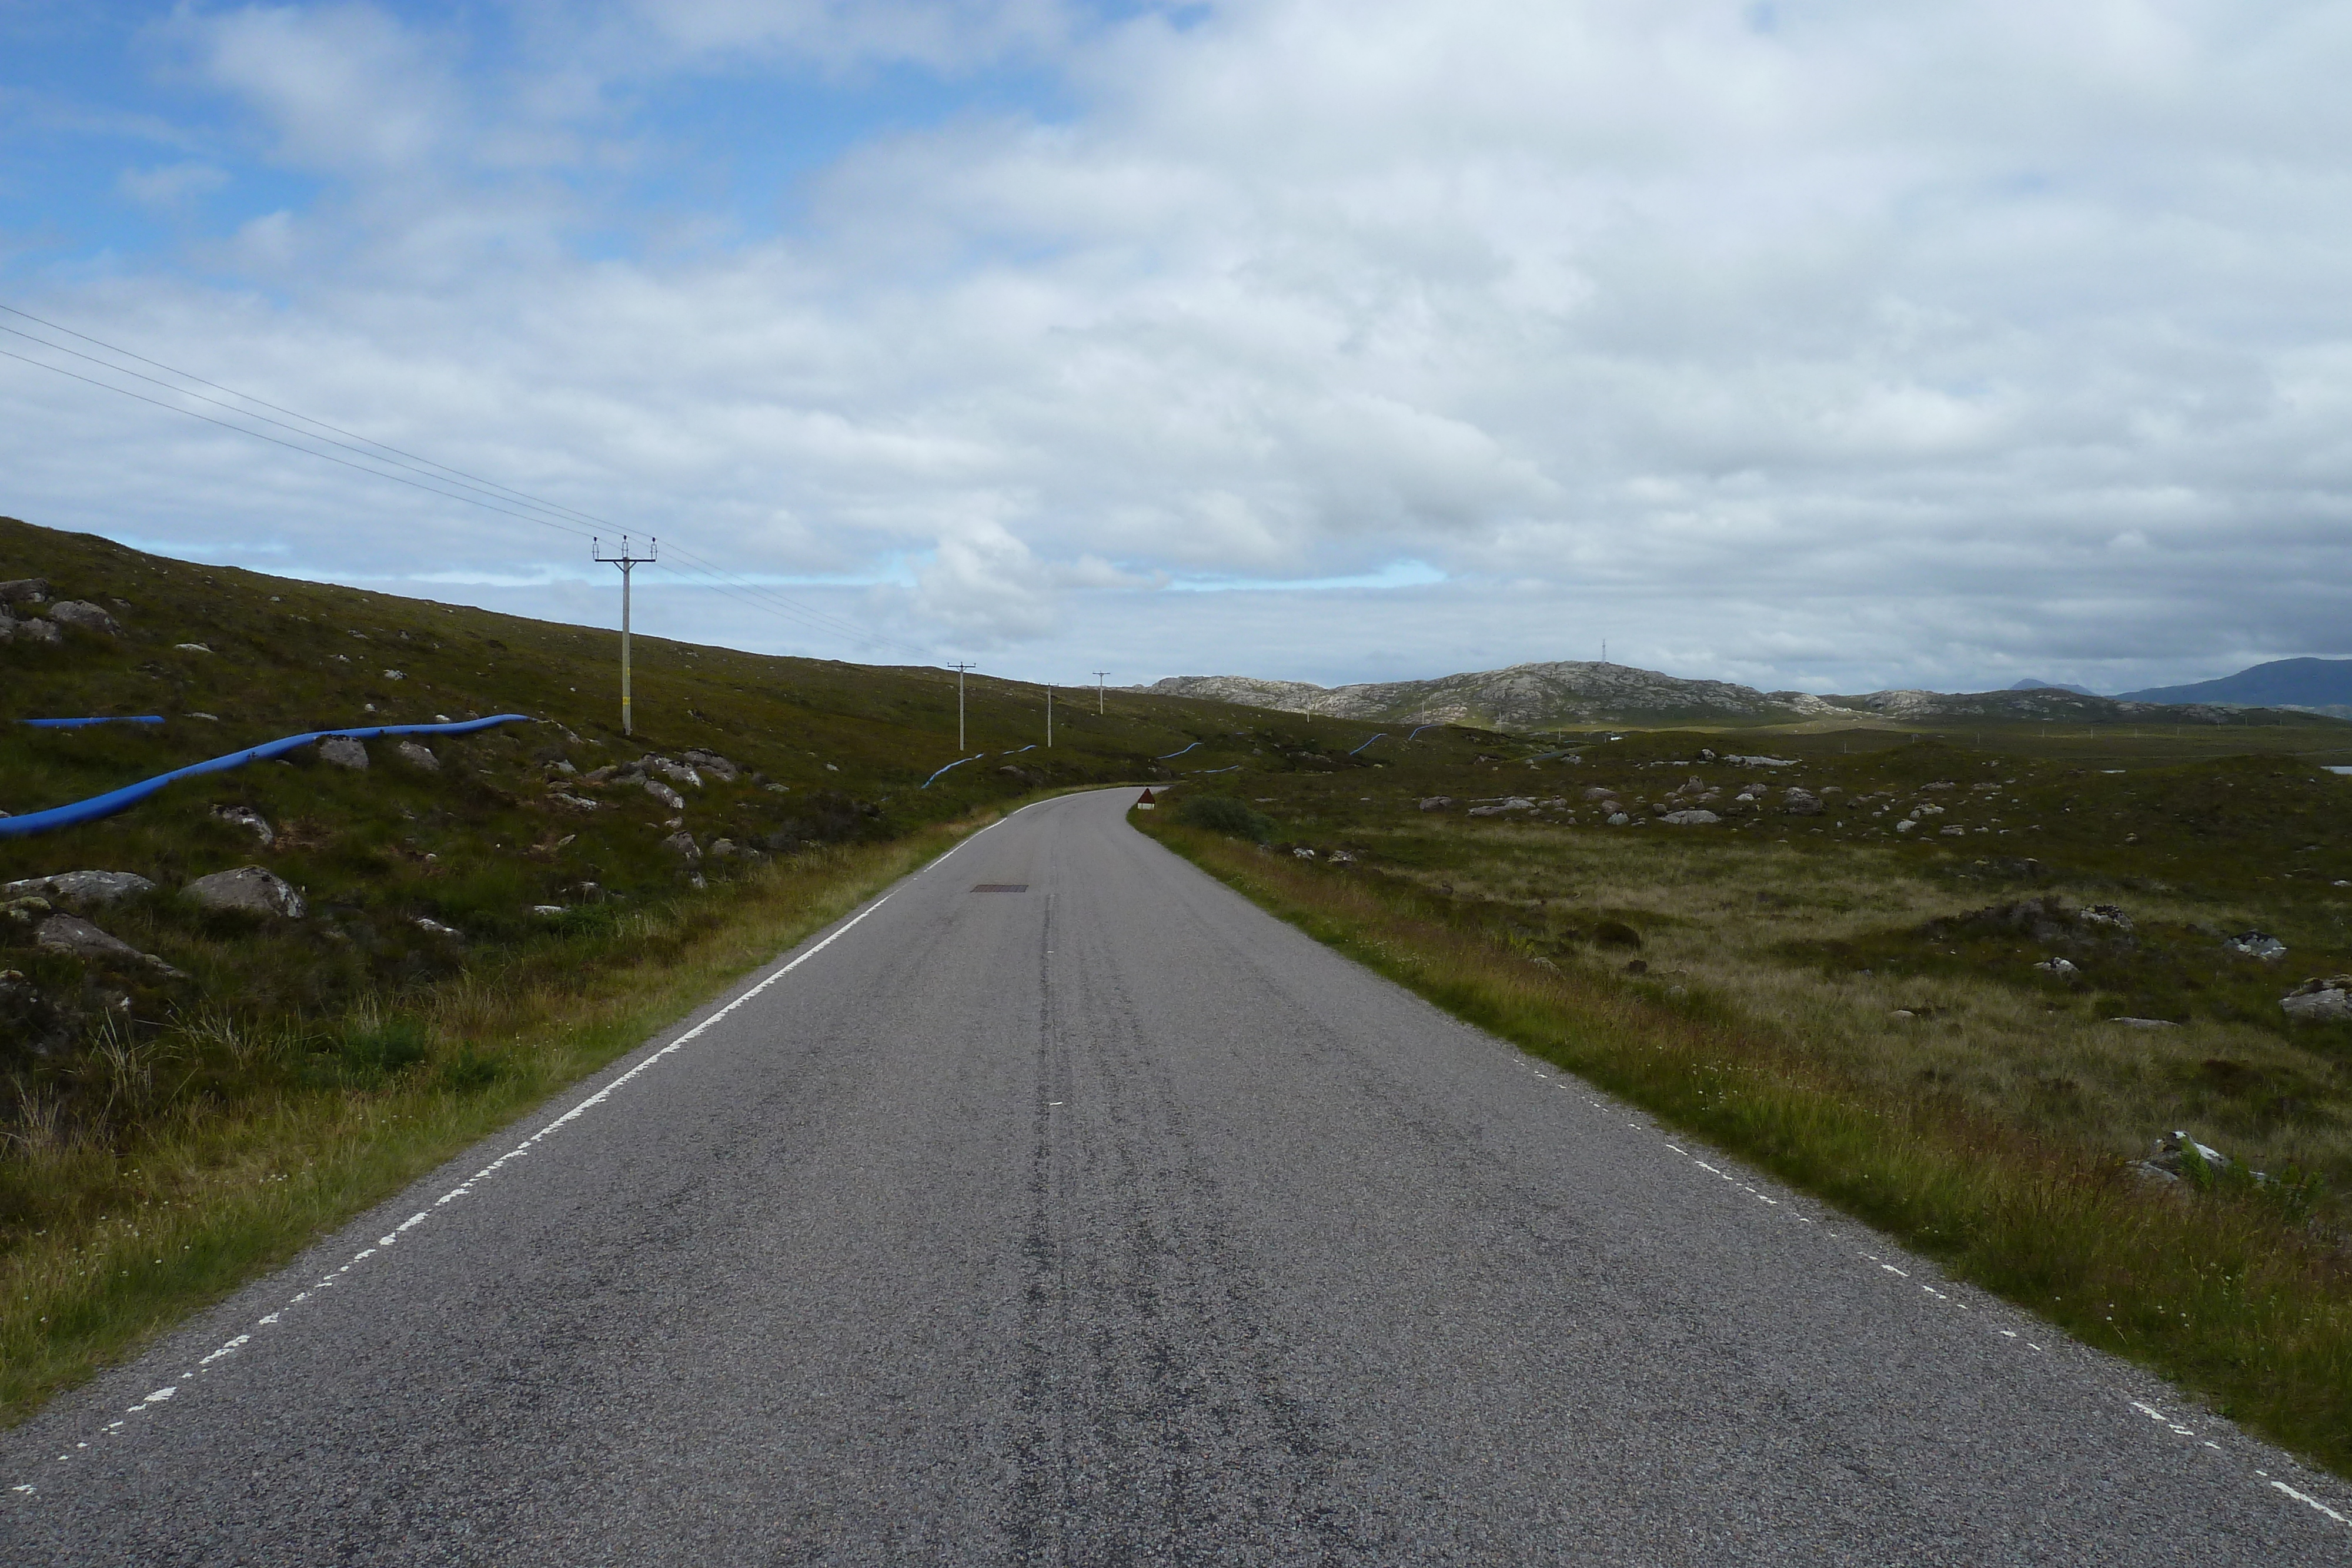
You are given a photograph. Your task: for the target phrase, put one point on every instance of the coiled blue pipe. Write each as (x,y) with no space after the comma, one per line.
(129,795)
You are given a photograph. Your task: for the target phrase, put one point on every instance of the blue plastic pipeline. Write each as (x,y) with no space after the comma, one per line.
(1195,745)
(1205,772)
(129,795)
(78,722)
(957,763)
(1425,726)
(1031,746)
(1383,736)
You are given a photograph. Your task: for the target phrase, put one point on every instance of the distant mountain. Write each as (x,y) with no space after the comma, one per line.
(1525,697)
(2320,684)
(1547,696)
(2032,685)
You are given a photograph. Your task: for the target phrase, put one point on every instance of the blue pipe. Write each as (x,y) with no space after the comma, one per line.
(1193,747)
(78,722)
(1031,746)
(957,763)
(1424,727)
(129,795)
(1205,772)
(1383,736)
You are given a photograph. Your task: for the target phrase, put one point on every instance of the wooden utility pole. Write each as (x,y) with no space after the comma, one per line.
(960,669)
(628,564)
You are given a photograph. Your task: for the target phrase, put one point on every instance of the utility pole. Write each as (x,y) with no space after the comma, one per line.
(1099,692)
(628,564)
(1049,718)
(960,669)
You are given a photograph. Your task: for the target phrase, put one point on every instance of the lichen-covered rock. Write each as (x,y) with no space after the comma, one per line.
(251,821)
(1693,818)
(681,844)
(251,889)
(718,767)
(419,756)
(344,751)
(71,935)
(665,794)
(30,632)
(73,888)
(25,591)
(86,616)
(1797,802)
(678,772)
(2325,998)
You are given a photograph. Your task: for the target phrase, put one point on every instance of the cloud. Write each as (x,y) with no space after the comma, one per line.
(170,186)
(1822,343)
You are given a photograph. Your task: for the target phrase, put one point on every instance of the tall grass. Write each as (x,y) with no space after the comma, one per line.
(216,1188)
(2226,1292)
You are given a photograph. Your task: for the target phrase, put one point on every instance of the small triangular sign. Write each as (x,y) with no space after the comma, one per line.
(1146,799)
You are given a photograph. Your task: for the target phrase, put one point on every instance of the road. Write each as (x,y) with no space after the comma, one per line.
(1108,1220)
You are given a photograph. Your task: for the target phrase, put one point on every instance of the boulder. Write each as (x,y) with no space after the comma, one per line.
(1597,792)
(2321,1000)
(419,756)
(724,849)
(665,794)
(73,888)
(344,751)
(677,772)
(2057,967)
(1437,802)
(77,939)
(718,767)
(1692,818)
(571,802)
(30,632)
(87,616)
(681,844)
(251,821)
(2254,944)
(1797,802)
(2107,914)
(24,590)
(252,888)
(1618,819)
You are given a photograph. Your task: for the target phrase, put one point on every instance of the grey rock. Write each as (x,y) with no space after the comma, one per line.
(1692,818)
(425,923)
(2057,967)
(570,802)
(89,617)
(344,751)
(1618,819)
(2321,1000)
(77,939)
(1797,802)
(25,591)
(252,822)
(251,889)
(73,888)
(30,632)
(417,756)
(1307,854)
(681,844)
(724,849)
(677,772)
(1599,793)
(1437,802)
(718,767)
(2107,914)
(2145,1023)
(2256,945)
(665,794)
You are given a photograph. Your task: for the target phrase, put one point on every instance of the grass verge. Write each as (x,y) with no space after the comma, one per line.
(2226,1292)
(219,1190)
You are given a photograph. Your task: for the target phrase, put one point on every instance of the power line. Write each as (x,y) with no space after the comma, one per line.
(560,517)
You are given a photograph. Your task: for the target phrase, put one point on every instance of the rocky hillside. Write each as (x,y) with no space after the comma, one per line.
(1525,697)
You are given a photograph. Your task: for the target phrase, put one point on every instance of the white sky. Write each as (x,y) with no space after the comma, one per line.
(1839,346)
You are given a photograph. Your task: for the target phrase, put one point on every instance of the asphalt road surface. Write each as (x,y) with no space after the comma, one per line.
(1104,1220)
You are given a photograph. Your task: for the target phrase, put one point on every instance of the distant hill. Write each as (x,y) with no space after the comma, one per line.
(2034,685)
(2320,685)
(1525,697)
